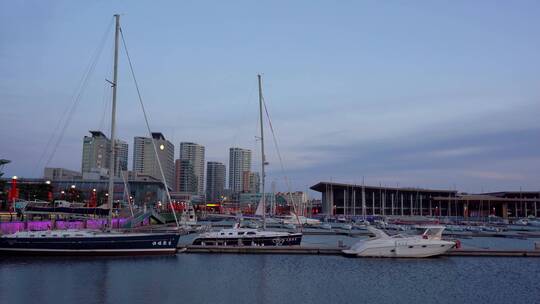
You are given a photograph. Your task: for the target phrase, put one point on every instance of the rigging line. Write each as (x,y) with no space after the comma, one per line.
(106,104)
(64,114)
(148,127)
(287,182)
(77,97)
(107,96)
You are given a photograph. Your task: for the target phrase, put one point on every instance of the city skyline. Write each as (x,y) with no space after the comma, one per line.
(453,106)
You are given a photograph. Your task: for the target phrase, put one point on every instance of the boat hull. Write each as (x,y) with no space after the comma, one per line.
(404,251)
(142,244)
(289,240)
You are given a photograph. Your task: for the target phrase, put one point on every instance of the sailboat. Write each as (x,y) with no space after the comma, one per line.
(237,236)
(90,242)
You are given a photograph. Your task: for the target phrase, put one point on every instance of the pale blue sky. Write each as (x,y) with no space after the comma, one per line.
(420,93)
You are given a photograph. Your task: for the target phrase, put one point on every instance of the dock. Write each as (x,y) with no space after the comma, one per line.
(313,250)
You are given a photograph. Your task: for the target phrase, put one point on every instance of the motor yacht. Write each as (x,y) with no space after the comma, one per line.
(237,236)
(430,243)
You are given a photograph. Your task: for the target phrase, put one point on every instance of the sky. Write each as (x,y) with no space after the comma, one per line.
(434,94)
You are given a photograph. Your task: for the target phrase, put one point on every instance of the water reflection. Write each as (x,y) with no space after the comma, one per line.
(192,278)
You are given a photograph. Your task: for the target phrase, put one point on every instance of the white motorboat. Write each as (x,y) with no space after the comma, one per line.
(456,228)
(294,219)
(188,217)
(428,244)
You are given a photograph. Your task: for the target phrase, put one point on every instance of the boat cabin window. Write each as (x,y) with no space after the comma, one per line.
(230,233)
(241,233)
(223,233)
(251,233)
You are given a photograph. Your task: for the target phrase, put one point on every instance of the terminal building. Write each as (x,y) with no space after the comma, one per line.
(359,200)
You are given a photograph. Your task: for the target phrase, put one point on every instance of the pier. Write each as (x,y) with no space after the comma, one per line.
(314,250)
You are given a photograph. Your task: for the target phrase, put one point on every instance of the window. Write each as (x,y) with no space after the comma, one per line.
(411,246)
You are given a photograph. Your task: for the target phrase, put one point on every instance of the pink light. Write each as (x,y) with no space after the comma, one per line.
(12,227)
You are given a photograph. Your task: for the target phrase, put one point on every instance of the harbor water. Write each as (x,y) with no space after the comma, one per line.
(229,278)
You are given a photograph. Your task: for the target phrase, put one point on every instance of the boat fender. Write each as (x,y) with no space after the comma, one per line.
(458,244)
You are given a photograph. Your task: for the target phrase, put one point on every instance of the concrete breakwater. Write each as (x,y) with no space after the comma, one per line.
(310,250)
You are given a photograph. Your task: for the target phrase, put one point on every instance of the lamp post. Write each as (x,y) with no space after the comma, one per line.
(13,193)
(49,191)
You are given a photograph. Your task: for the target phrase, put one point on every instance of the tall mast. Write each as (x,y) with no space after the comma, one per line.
(263,159)
(113,124)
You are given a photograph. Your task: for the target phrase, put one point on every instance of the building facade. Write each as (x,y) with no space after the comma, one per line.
(215,181)
(96,152)
(194,153)
(60,173)
(145,161)
(251,182)
(358,200)
(122,152)
(239,162)
(185,179)
(144,190)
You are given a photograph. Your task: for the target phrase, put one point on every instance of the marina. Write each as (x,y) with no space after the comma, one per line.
(269,153)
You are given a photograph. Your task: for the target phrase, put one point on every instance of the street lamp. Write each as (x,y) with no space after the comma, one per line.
(72,186)
(48,182)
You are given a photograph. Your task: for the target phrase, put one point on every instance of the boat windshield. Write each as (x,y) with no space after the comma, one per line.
(433,232)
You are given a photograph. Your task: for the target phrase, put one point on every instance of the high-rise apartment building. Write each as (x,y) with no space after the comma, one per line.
(215,181)
(250,182)
(95,154)
(254,182)
(239,162)
(185,179)
(145,161)
(122,152)
(194,153)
